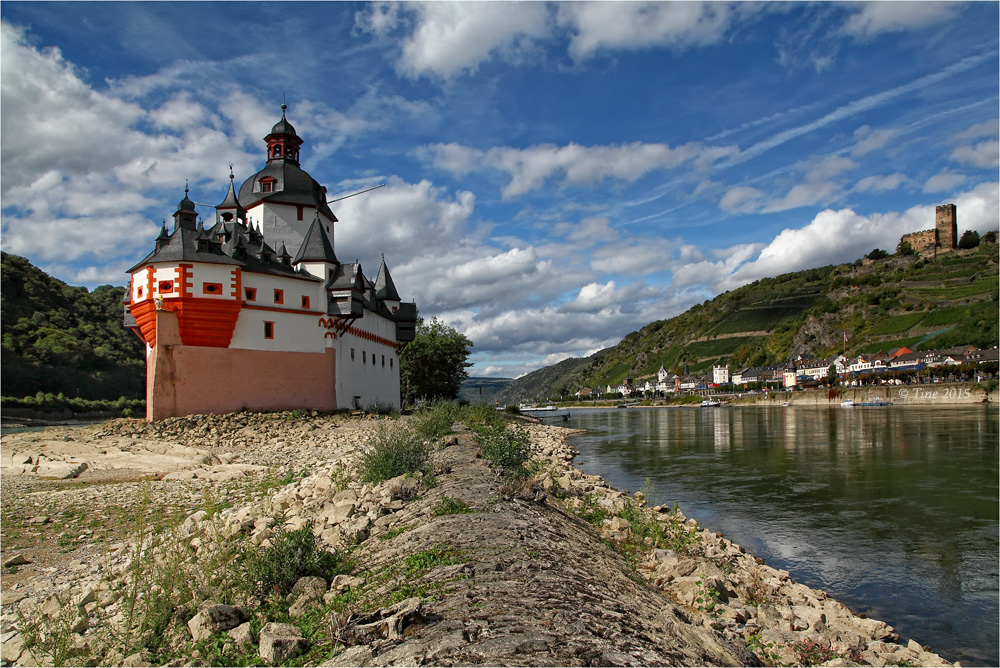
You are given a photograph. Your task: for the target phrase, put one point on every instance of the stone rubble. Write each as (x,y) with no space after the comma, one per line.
(710,604)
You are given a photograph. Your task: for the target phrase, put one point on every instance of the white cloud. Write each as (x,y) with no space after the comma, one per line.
(943,181)
(881,183)
(803,194)
(985,154)
(530,168)
(453,38)
(989,128)
(588,231)
(607,26)
(869,140)
(412,219)
(741,199)
(869,19)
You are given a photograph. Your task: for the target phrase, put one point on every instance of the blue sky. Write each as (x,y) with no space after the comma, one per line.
(557,174)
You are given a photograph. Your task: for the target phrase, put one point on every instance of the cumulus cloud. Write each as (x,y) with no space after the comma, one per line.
(869,140)
(943,181)
(868,19)
(605,26)
(985,154)
(531,168)
(454,38)
(741,199)
(881,183)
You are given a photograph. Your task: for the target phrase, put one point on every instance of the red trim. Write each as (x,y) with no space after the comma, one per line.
(255,307)
(279,296)
(212,288)
(375,338)
(183,277)
(150,281)
(144,313)
(305,301)
(251,295)
(206,322)
(236,282)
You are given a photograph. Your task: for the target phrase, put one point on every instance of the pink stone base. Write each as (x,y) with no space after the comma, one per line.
(187,380)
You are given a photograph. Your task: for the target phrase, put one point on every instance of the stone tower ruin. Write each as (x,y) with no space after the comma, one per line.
(946,224)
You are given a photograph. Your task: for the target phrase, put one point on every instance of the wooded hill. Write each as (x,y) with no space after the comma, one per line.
(896,301)
(63,339)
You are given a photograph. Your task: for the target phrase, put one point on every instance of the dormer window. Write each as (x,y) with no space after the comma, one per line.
(267,185)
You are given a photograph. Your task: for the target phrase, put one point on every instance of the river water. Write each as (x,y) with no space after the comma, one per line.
(892,511)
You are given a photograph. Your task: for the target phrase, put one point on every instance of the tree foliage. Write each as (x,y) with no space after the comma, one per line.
(63,339)
(970,239)
(905,248)
(433,365)
(877,254)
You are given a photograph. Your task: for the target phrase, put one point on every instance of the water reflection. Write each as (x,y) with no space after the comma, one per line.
(893,511)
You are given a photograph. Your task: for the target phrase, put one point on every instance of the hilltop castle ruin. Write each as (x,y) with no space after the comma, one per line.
(943,238)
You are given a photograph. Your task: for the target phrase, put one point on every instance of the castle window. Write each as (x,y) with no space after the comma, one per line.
(166,286)
(352,354)
(298,211)
(279,296)
(383,361)
(277,151)
(390,362)
(227,217)
(267,185)
(305,301)
(211,288)
(268,329)
(373,359)
(364,357)
(251,294)
(140,293)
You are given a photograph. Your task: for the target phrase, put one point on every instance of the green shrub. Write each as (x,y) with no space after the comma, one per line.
(291,555)
(436,421)
(449,506)
(476,417)
(394,451)
(505,447)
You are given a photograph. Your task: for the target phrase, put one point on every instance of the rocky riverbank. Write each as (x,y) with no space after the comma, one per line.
(462,567)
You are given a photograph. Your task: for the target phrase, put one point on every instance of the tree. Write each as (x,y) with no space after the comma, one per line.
(905,248)
(877,254)
(970,239)
(989,238)
(433,365)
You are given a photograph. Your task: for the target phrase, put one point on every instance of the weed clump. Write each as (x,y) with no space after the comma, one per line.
(290,556)
(505,447)
(394,451)
(436,421)
(449,506)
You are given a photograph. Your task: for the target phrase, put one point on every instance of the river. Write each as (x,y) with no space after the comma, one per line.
(892,511)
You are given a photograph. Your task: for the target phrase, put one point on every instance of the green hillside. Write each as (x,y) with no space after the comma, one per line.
(894,302)
(63,339)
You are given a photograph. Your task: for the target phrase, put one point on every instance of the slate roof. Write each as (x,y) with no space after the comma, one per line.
(385,289)
(183,246)
(316,247)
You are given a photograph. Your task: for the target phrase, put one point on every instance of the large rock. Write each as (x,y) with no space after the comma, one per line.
(281,642)
(215,619)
